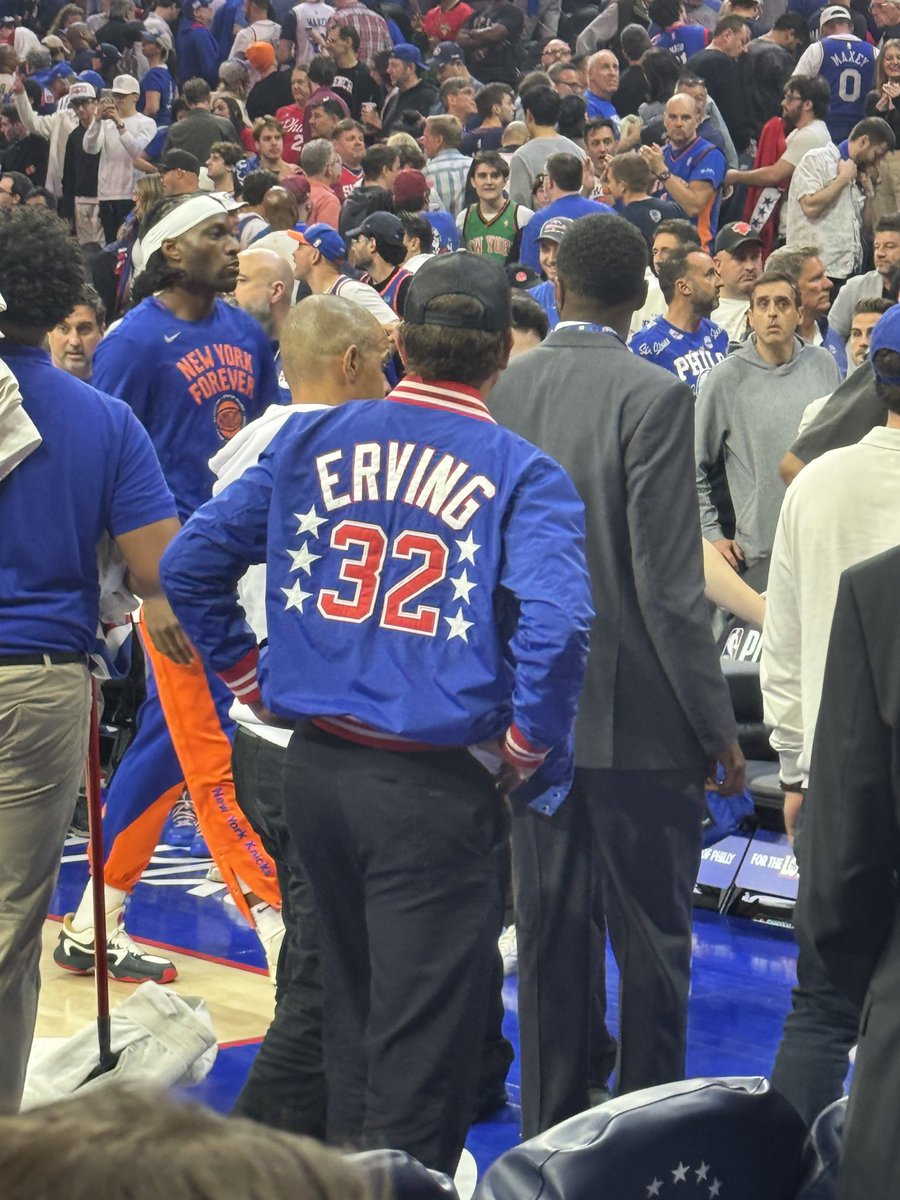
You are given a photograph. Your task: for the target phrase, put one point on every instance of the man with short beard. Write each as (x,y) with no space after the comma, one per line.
(684,340)
(193,370)
(264,289)
(378,248)
(739,263)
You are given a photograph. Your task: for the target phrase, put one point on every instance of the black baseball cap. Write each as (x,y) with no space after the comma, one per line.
(383,226)
(738,233)
(179,160)
(460,274)
(520,275)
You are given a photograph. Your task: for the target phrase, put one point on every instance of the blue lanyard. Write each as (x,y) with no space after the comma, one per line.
(587,327)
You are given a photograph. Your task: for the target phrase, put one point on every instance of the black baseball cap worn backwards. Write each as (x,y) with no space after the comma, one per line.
(460,274)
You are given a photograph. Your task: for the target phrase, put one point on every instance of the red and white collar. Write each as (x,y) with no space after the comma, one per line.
(442,395)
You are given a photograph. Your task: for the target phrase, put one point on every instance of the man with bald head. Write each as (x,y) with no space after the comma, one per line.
(265,290)
(281,209)
(690,169)
(333,352)
(603,83)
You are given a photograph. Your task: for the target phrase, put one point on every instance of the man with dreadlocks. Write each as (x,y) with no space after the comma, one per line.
(194,371)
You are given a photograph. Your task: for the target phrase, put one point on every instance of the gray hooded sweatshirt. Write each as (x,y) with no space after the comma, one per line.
(748,413)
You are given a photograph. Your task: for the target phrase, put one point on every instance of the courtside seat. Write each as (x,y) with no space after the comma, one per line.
(735,1139)
(395,1175)
(826,1137)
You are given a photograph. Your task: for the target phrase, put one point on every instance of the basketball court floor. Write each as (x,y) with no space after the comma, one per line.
(742,978)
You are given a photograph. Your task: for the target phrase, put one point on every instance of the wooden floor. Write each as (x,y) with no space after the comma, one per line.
(240,1002)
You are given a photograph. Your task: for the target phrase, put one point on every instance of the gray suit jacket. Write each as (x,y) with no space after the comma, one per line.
(623,428)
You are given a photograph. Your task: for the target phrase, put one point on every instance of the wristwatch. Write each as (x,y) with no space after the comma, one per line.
(663,176)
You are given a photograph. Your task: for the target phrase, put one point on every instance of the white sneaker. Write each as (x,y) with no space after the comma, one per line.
(270,930)
(509,950)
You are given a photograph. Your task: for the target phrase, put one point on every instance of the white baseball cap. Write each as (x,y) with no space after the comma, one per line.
(126,85)
(834,12)
(82,91)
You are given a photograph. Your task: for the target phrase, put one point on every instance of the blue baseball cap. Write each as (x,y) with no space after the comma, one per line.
(323,238)
(446,52)
(93,78)
(886,336)
(407,52)
(62,71)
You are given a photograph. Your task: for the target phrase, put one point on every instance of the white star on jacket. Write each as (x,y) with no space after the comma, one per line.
(462,586)
(302,560)
(310,522)
(467,549)
(295,596)
(679,1174)
(653,1189)
(458,627)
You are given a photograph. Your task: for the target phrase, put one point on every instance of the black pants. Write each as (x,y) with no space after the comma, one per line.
(811,1064)
(404,853)
(635,837)
(112,214)
(286,1084)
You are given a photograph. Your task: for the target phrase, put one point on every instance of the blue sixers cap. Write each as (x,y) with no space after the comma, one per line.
(323,238)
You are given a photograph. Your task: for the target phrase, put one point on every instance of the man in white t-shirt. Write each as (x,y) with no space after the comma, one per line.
(317,258)
(739,263)
(258,29)
(805,103)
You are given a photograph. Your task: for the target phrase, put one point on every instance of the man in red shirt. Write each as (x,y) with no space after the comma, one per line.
(291,115)
(443,22)
(350,143)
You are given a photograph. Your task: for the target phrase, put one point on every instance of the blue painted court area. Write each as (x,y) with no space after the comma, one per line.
(743,973)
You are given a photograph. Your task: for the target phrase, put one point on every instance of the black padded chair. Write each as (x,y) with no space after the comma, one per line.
(394,1175)
(826,1136)
(736,1139)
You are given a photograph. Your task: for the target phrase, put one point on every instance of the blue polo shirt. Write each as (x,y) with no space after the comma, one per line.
(94,472)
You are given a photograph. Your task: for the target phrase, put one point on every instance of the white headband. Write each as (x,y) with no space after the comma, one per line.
(186,216)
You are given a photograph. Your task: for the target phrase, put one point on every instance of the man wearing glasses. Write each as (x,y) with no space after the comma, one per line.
(14,189)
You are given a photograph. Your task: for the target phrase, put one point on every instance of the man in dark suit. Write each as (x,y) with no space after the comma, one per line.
(847,906)
(655,713)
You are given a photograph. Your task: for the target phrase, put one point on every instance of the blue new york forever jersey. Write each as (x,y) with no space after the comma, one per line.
(687,355)
(425,577)
(191,384)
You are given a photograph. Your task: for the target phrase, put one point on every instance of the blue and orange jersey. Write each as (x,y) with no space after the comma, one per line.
(701,160)
(191,384)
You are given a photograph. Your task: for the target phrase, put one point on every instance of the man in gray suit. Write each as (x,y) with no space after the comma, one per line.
(655,716)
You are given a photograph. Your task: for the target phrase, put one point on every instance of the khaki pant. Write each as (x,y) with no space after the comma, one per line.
(88,226)
(44,718)
(887,189)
